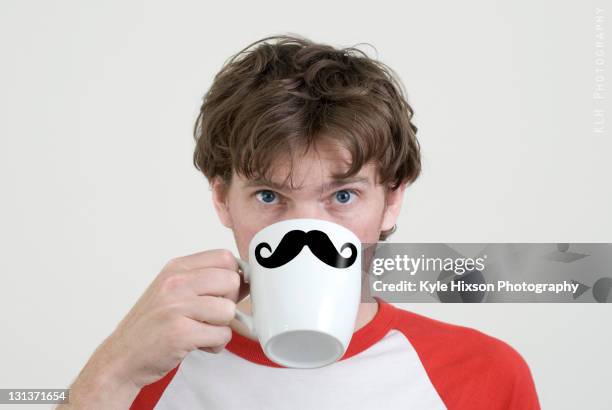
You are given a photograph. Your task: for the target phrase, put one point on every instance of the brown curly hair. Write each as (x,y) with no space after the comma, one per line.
(288,92)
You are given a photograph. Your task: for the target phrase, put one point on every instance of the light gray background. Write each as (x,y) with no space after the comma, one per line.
(98,101)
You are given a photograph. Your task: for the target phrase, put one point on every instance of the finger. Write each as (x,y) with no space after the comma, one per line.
(215,282)
(214,310)
(215,258)
(207,281)
(215,349)
(207,335)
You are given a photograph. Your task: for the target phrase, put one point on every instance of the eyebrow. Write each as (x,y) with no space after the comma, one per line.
(327,186)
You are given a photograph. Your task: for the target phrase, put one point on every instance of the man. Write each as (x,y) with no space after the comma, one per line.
(291,129)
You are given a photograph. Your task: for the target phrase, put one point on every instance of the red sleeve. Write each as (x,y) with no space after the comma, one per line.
(516,373)
(469,369)
(150,394)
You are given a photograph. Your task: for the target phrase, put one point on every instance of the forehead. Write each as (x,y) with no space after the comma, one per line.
(321,166)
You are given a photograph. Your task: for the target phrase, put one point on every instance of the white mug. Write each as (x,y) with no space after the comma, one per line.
(305,291)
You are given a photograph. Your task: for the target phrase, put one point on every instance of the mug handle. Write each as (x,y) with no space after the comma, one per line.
(247,320)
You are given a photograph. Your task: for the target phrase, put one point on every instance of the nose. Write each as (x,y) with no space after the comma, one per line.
(308,210)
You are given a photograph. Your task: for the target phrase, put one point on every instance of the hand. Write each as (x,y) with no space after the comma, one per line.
(188,306)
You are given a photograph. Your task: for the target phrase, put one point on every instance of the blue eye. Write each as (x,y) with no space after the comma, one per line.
(343,196)
(266,196)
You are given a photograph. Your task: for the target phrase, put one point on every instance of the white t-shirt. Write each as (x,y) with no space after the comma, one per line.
(398,360)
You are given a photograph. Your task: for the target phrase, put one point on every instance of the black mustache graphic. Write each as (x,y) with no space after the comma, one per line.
(293,242)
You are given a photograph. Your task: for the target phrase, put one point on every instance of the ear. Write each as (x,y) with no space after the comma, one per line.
(220,193)
(392,207)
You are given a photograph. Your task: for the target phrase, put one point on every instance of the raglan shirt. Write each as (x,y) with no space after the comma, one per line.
(398,360)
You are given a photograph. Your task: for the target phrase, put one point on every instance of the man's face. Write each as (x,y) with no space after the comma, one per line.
(357,203)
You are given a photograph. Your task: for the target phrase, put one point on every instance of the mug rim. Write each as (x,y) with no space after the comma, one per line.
(272,225)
